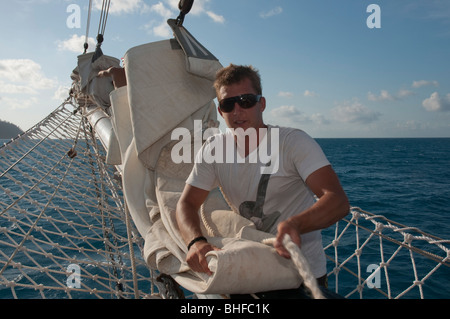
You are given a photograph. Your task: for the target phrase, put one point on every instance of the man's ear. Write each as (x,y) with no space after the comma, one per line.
(263,103)
(220,111)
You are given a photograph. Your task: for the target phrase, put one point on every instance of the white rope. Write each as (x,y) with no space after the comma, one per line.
(130,244)
(86,41)
(301,264)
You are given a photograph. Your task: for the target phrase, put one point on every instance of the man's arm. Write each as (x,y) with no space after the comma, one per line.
(117,74)
(332,206)
(189,224)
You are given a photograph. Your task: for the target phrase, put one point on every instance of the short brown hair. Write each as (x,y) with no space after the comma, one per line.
(233,74)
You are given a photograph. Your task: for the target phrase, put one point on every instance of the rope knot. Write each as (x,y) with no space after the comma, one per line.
(379,227)
(408,238)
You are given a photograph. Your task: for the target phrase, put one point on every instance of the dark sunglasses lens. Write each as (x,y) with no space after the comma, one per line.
(227,105)
(245,101)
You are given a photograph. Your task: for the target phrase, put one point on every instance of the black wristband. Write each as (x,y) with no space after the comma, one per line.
(193,241)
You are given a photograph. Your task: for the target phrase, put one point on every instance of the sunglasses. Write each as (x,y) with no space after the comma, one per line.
(245,101)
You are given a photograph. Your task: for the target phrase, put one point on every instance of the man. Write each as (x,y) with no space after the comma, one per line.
(303,172)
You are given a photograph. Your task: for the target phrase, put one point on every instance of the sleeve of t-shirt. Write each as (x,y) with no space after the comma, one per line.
(306,153)
(203,174)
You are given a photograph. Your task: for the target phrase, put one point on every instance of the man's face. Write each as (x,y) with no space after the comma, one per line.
(240,117)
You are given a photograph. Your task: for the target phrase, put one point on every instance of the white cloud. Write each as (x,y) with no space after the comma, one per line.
(308,93)
(76,44)
(291,114)
(319,118)
(198,8)
(168,9)
(61,93)
(354,112)
(174,4)
(411,125)
(161,10)
(9,88)
(271,13)
(23,76)
(201,7)
(436,103)
(122,6)
(215,17)
(285,94)
(19,103)
(161,29)
(287,111)
(418,84)
(386,96)
(404,93)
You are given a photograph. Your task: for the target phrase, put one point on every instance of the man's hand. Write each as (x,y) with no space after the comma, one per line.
(196,257)
(286,228)
(332,206)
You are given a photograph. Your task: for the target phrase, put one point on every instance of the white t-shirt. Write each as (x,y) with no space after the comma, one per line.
(287,193)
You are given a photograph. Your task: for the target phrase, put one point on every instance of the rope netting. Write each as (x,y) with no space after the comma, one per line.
(374,257)
(65,231)
(63,224)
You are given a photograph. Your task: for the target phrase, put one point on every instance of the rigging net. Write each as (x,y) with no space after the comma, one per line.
(63,225)
(371,256)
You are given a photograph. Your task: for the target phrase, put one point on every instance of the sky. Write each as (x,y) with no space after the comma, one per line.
(334,68)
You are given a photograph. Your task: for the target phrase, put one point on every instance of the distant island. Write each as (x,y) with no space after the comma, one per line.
(9,130)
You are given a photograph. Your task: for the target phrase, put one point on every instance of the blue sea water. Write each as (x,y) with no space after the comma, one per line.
(406,180)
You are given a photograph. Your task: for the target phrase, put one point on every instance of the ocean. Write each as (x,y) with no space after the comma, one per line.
(405,180)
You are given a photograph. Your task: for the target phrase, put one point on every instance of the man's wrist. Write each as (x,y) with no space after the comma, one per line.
(294,223)
(196,239)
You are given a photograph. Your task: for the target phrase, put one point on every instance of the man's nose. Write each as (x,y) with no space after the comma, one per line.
(237,108)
